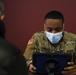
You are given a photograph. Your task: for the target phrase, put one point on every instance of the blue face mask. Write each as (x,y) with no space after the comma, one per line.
(54,37)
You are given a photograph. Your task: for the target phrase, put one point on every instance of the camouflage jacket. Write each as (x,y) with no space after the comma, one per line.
(39,43)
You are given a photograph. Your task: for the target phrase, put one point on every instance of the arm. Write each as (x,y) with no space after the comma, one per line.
(19,66)
(30,49)
(71,70)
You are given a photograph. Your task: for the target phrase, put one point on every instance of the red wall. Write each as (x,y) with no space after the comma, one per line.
(25,17)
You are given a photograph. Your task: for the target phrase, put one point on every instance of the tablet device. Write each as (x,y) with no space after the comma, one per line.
(51,62)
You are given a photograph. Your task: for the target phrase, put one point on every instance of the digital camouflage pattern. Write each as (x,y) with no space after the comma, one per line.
(39,43)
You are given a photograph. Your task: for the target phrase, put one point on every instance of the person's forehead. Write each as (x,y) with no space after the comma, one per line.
(54,22)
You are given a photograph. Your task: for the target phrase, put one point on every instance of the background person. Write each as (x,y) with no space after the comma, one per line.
(1,10)
(12,61)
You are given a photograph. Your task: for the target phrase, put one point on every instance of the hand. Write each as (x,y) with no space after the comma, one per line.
(71,70)
(32,68)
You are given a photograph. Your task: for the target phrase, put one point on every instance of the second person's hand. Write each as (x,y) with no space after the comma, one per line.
(32,68)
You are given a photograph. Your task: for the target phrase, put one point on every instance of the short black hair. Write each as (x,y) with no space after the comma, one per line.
(54,15)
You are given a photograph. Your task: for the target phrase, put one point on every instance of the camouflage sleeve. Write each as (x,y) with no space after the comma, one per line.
(30,49)
(74,55)
(73,36)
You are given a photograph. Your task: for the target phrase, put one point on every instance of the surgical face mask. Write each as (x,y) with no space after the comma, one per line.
(54,37)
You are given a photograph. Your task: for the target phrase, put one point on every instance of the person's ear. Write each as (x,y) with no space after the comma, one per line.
(63,26)
(2,17)
(44,26)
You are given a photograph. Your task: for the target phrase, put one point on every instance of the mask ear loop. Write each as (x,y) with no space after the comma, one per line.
(63,26)
(44,29)
(63,29)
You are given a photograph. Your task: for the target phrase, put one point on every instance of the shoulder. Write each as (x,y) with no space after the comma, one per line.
(39,33)
(70,35)
(8,46)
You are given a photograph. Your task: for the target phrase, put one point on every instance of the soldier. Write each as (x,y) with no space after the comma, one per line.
(1,10)
(52,39)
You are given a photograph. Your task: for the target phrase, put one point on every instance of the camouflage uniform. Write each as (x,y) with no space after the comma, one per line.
(39,43)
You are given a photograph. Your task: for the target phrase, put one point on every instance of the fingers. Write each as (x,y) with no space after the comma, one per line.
(73,73)
(32,68)
(71,70)
(71,66)
(68,73)
(70,63)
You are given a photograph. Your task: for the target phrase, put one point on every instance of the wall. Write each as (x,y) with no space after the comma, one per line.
(25,17)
